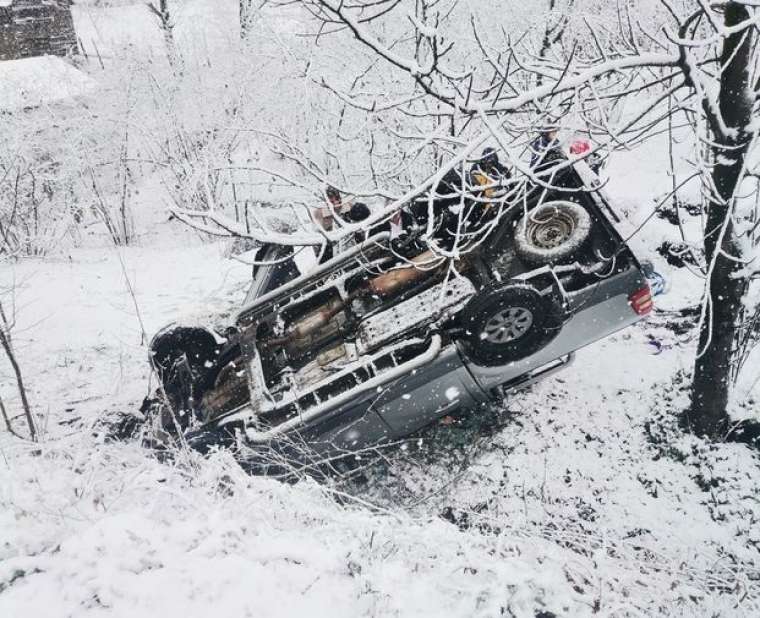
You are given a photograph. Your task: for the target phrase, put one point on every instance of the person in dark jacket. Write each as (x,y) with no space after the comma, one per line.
(454,209)
(324,217)
(545,146)
(488,176)
(489,172)
(447,197)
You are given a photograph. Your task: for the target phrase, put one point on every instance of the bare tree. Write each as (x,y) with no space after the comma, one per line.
(245,10)
(698,63)
(160,8)
(6,342)
(554,30)
(731,118)
(495,101)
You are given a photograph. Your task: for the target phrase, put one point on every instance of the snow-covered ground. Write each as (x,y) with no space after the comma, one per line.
(578,497)
(131,28)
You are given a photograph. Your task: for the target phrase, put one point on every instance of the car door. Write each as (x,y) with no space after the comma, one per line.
(428,393)
(275,267)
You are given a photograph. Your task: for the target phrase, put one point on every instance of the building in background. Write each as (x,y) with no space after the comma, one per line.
(36,28)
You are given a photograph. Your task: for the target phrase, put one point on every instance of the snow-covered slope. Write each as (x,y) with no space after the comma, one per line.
(566,500)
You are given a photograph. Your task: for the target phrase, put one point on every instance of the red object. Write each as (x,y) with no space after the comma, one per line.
(579,146)
(641,301)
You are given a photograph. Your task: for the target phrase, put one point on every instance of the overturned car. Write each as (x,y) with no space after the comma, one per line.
(389,336)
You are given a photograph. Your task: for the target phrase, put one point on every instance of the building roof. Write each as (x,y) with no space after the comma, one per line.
(30,82)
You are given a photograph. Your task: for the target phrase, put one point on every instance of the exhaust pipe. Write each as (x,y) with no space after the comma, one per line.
(384,286)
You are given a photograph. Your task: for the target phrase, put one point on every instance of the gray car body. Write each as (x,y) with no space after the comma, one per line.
(452,379)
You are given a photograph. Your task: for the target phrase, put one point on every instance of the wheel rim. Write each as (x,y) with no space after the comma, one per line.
(551,232)
(507,325)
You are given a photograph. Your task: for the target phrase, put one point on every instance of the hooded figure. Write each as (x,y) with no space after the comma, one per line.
(488,172)
(544,145)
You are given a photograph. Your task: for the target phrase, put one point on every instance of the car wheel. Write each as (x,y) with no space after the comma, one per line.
(198,345)
(507,323)
(552,232)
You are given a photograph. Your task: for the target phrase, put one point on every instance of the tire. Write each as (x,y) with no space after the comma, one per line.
(508,323)
(197,344)
(552,232)
(185,358)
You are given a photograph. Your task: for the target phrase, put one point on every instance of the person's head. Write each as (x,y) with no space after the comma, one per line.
(549,132)
(489,159)
(359,212)
(333,195)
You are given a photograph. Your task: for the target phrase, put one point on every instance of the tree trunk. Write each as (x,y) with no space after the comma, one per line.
(727,286)
(245,17)
(163,13)
(5,343)
(546,41)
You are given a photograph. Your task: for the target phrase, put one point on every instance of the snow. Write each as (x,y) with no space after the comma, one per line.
(580,496)
(29,82)
(581,491)
(582,506)
(452,393)
(112,31)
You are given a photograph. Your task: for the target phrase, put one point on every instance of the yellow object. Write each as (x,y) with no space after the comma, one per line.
(482,180)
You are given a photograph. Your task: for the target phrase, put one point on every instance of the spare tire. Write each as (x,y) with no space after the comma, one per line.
(552,232)
(508,322)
